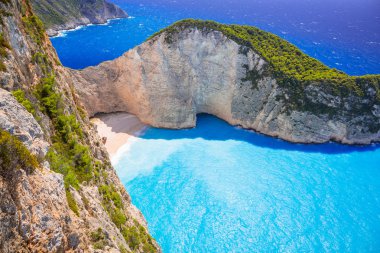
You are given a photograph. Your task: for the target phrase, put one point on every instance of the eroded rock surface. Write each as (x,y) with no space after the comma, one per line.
(35,214)
(167,83)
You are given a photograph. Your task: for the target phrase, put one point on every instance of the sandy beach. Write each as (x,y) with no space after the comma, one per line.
(117,129)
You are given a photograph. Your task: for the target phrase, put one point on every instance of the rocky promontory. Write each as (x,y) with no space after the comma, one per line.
(63,15)
(241,74)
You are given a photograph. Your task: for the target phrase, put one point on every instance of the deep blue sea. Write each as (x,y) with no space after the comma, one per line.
(217,188)
(344,34)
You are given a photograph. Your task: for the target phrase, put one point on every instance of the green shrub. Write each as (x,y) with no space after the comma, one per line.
(118,217)
(67,155)
(3,68)
(35,28)
(137,235)
(132,237)
(71,202)
(99,245)
(42,60)
(14,155)
(122,249)
(71,180)
(109,193)
(4,45)
(49,99)
(20,97)
(98,237)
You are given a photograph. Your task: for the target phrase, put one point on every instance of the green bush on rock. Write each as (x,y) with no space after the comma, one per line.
(14,156)
(137,235)
(24,101)
(98,237)
(67,154)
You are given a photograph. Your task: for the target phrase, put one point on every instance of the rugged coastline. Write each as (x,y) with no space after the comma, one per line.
(62,32)
(59,16)
(203,67)
(64,195)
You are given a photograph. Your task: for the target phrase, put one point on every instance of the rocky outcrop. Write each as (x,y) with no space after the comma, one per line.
(62,15)
(18,121)
(50,209)
(171,78)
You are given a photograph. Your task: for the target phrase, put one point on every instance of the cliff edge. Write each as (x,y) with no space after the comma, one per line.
(243,75)
(58,189)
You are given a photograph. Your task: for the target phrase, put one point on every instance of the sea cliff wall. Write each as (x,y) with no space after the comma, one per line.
(168,80)
(58,189)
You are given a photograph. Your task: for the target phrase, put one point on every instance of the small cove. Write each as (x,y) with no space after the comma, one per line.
(217,188)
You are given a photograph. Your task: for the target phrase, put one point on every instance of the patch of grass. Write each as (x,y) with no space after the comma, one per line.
(132,237)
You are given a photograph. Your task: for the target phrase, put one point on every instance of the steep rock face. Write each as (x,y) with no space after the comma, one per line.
(167,82)
(43,211)
(33,206)
(19,122)
(62,15)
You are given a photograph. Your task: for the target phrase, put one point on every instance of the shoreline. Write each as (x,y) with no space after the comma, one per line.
(63,32)
(118,131)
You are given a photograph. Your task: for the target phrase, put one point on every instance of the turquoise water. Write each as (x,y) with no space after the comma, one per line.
(216,188)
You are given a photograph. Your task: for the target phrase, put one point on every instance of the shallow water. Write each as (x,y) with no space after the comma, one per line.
(344,34)
(217,188)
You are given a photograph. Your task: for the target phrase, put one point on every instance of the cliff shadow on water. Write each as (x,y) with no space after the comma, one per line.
(212,128)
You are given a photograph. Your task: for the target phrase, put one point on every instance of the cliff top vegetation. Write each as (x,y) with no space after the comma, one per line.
(287,60)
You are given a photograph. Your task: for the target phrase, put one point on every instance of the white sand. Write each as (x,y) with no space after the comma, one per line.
(118,129)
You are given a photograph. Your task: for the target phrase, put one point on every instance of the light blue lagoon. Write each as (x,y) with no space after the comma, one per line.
(217,188)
